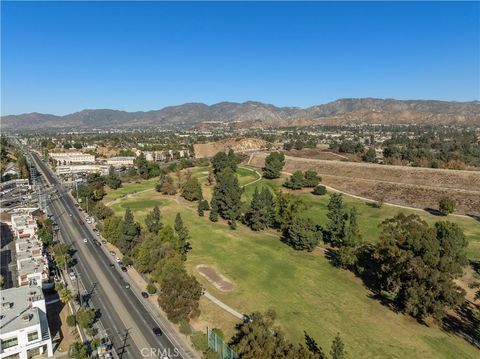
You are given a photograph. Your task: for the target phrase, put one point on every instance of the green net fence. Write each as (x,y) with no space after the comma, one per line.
(217,344)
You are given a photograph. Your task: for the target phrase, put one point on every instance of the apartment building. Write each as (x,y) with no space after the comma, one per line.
(32,262)
(75,169)
(24,331)
(120,161)
(66,158)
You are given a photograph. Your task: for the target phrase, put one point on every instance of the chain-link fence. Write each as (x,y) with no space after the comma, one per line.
(217,344)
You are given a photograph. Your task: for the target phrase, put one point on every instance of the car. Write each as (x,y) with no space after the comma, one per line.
(123,268)
(126,285)
(97,243)
(97,233)
(71,274)
(85,240)
(157,331)
(112,253)
(112,265)
(104,241)
(118,259)
(81,222)
(70,214)
(145,295)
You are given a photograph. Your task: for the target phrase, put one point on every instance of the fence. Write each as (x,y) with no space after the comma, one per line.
(217,344)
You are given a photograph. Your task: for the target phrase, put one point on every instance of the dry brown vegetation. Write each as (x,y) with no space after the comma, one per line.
(409,186)
(237,144)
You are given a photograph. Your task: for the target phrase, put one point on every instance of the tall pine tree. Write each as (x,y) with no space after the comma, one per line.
(226,198)
(183,236)
(336,219)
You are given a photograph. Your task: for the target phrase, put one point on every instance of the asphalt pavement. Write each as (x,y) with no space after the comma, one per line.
(123,314)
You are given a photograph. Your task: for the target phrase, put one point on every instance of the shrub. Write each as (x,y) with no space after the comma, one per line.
(446,206)
(151,289)
(185,327)
(71,320)
(319,190)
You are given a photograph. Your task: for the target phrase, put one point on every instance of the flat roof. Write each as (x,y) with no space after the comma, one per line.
(17,310)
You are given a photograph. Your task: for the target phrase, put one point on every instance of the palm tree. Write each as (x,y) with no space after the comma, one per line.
(66,295)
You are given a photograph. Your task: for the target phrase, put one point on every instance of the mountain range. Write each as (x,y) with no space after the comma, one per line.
(257,114)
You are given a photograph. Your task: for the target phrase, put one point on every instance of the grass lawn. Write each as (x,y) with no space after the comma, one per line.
(129,188)
(305,290)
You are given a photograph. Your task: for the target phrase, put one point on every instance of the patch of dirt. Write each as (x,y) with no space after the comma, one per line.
(322,154)
(62,334)
(409,186)
(237,144)
(220,282)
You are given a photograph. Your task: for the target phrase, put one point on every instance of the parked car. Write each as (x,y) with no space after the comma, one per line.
(97,243)
(145,295)
(104,241)
(123,268)
(118,259)
(81,222)
(71,274)
(127,285)
(112,253)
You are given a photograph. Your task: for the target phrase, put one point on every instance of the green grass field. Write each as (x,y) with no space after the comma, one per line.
(306,291)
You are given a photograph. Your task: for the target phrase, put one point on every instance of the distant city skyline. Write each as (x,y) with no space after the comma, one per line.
(61,57)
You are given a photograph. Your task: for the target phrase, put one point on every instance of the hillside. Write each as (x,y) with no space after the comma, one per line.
(256,114)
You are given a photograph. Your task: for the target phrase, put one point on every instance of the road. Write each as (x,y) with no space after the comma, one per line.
(124,314)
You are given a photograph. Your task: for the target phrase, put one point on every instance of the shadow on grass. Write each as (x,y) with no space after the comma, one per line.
(464,323)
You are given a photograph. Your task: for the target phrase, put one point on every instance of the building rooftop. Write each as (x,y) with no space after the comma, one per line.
(18,311)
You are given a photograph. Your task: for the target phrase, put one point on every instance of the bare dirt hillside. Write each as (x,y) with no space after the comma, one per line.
(236,144)
(410,186)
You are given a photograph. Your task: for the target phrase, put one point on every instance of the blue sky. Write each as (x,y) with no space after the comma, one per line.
(63,57)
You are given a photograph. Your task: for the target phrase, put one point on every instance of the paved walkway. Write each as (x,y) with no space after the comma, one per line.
(222,305)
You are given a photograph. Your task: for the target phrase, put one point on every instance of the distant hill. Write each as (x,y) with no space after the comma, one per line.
(256,114)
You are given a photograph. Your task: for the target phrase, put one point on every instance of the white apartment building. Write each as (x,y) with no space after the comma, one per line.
(74,169)
(66,158)
(32,262)
(24,330)
(120,161)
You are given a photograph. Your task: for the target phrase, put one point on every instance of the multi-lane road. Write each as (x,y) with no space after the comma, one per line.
(128,318)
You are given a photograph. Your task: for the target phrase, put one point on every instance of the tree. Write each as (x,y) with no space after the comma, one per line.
(226,197)
(336,219)
(261,214)
(66,295)
(142,167)
(202,207)
(191,190)
(319,190)
(222,161)
(165,185)
(287,207)
(85,317)
(274,163)
(446,206)
(155,248)
(130,231)
(113,181)
(370,155)
(71,320)
(295,181)
(62,255)
(311,179)
(302,234)
(153,220)
(416,265)
(338,348)
(259,338)
(352,232)
(179,296)
(112,229)
(77,350)
(101,211)
(183,236)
